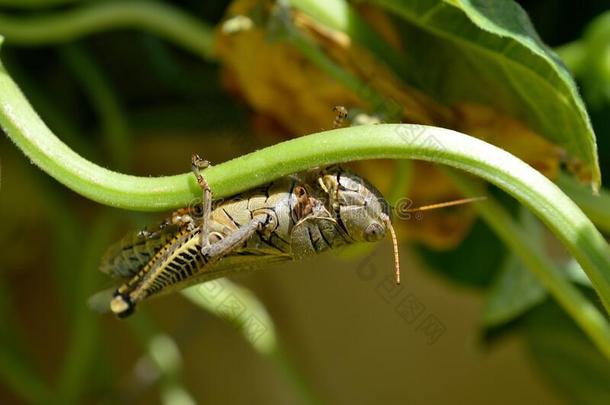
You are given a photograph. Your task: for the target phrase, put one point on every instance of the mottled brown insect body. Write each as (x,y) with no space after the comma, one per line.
(291,218)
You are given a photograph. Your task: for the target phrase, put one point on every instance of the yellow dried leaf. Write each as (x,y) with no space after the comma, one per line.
(509,134)
(289,94)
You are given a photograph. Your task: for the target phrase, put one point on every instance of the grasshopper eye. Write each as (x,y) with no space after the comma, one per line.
(374,232)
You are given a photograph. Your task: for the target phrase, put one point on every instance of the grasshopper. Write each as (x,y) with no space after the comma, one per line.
(289,219)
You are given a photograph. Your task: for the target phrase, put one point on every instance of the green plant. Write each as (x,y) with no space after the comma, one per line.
(486,42)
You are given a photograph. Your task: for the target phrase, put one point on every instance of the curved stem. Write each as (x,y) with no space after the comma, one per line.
(162,19)
(393,141)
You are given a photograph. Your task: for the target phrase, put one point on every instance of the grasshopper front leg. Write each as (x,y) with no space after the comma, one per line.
(214,252)
(197,164)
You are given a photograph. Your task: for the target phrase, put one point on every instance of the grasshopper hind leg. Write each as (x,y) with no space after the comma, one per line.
(126,298)
(122,305)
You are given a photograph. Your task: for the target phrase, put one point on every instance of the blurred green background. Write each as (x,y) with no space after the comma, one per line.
(137,104)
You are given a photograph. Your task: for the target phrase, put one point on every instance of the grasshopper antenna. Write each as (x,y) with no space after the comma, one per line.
(446,204)
(423,208)
(388,224)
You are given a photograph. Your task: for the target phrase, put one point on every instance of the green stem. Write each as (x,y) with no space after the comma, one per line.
(389,141)
(159,18)
(45,103)
(586,315)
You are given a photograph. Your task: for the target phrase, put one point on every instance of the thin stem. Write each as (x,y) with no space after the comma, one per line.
(586,315)
(45,103)
(159,18)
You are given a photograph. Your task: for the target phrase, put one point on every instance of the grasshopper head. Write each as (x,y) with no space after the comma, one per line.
(359,208)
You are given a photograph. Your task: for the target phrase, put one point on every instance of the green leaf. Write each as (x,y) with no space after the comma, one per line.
(489,53)
(473,262)
(255,323)
(515,291)
(524,245)
(567,357)
(588,60)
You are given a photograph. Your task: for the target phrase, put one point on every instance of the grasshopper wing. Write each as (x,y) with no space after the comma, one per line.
(127,256)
